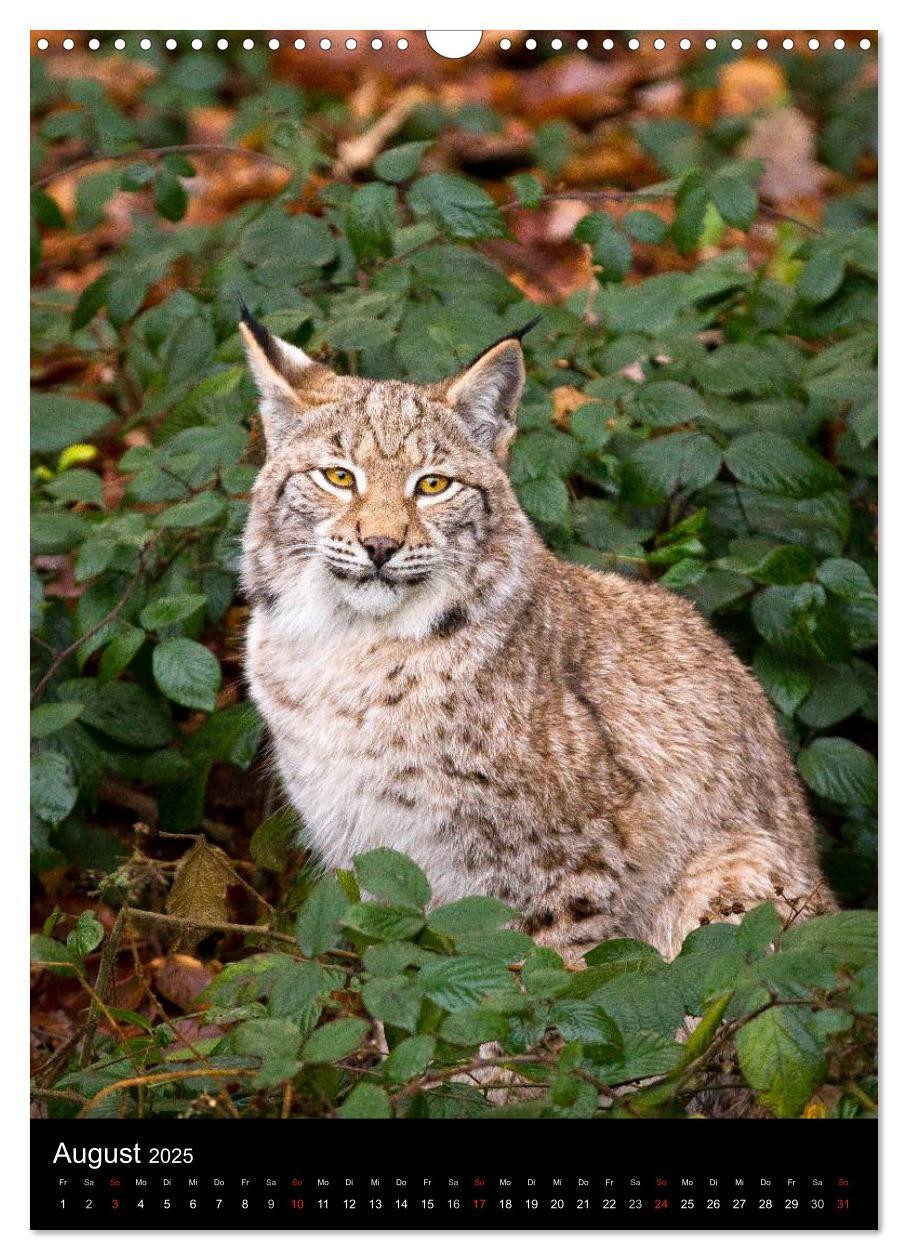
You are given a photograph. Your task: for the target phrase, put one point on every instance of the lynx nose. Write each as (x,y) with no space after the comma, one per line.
(380,549)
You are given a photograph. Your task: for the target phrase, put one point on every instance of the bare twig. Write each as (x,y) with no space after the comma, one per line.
(620,195)
(108,617)
(98,158)
(103,983)
(160,1078)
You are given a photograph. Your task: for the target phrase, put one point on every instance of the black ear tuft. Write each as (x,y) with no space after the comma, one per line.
(517,335)
(261,334)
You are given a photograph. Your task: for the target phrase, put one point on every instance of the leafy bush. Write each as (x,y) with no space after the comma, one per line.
(379,1008)
(701,412)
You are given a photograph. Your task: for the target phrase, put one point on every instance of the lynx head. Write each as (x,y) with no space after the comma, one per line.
(382,496)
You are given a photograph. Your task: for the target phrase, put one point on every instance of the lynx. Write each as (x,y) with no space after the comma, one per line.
(574,742)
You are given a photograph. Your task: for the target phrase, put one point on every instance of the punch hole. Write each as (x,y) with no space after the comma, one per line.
(684,44)
(42,44)
(94,44)
(403,44)
(583,44)
(144,44)
(762,44)
(865,44)
(299,43)
(377,43)
(711,44)
(274,44)
(223,43)
(451,44)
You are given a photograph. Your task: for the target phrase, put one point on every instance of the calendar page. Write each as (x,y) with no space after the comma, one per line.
(453,624)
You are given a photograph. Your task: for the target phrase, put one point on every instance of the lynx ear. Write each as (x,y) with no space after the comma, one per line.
(485,396)
(289,382)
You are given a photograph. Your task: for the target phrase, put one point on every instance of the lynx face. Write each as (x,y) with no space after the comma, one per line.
(379,494)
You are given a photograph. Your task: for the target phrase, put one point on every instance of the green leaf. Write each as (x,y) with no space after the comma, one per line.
(690,211)
(679,461)
(846,579)
(119,652)
(611,249)
(781,1058)
(470,915)
(645,226)
(409,1058)
(170,609)
(335,1041)
(586,1023)
(202,510)
(187,672)
(130,715)
(787,682)
(77,485)
(44,949)
(458,205)
(393,999)
(392,877)
(53,787)
(666,403)
(821,277)
(318,923)
(400,163)
(545,499)
(59,420)
(769,461)
(46,719)
(383,923)
(472,1027)
(170,197)
(527,189)
(836,693)
(735,200)
(758,929)
(369,221)
(85,936)
(365,1102)
(456,984)
(839,771)
(272,843)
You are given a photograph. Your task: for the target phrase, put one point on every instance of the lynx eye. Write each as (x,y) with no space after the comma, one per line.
(432,484)
(341,477)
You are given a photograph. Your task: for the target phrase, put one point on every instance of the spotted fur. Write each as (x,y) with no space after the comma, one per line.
(581,745)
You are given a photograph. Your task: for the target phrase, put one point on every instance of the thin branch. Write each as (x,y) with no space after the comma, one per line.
(103,983)
(614,194)
(133,154)
(245,929)
(160,1078)
(108,617)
